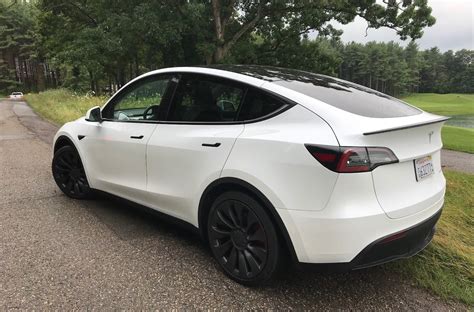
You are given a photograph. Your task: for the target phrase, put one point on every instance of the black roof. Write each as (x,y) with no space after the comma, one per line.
(273,74)
(270,73)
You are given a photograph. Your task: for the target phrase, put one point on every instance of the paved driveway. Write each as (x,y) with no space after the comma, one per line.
(58,253)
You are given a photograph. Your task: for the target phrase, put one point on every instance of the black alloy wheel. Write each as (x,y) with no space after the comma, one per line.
(69,174)
(243,239)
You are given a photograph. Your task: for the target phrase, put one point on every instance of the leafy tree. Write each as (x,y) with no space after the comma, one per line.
(94,45)
(277,20)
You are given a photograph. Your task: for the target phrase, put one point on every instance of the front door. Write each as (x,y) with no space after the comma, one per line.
(116,147)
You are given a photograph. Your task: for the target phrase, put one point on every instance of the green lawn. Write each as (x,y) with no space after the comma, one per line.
(458,139)
(446,266)
(443,104)
(61,105)
(458,133)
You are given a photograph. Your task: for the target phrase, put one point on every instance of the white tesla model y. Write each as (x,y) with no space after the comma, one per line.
(265,163)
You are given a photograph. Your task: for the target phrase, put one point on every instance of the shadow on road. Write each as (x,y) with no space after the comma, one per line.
(132,222)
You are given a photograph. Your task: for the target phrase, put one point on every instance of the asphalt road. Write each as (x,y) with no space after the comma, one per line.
(58,253)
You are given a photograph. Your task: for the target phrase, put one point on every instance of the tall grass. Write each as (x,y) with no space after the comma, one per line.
(61,105)
(447,265)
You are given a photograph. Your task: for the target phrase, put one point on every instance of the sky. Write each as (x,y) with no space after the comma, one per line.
(454,28)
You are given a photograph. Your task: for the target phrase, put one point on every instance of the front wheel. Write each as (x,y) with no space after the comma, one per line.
(243,239)
(69,174)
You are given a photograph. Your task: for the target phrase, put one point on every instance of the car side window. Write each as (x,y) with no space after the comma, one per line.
(259,104)
(198,99)
(141,101)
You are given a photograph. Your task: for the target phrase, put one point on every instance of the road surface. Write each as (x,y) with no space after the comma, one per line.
(58,253)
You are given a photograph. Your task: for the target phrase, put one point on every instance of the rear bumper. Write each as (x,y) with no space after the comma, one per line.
(404,244)
(352,226)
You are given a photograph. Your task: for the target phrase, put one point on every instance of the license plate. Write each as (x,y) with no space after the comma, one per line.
(423,167)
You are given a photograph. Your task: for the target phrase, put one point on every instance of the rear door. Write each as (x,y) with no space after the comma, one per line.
(116,147)
(188,151)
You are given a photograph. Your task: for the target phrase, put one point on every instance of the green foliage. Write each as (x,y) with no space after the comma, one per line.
(446,266)
(448,72)
(17,46)
(96,46)
(61,105)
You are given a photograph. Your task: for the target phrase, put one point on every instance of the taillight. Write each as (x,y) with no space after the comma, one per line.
(352,159)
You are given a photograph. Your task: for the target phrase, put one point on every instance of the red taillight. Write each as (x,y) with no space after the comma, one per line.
(352,159)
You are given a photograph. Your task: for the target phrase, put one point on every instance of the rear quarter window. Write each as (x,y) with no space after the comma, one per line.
(259,104)
(350,97)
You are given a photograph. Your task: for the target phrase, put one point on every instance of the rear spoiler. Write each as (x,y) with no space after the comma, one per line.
(409,126)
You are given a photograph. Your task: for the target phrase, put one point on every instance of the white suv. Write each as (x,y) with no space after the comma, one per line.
(265,163)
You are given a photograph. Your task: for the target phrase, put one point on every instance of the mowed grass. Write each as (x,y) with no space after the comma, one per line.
(458,135)
(458,139)
(61,105)
(446,266)
(443,104)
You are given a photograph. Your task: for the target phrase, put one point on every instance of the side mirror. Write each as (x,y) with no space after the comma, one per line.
(94,114)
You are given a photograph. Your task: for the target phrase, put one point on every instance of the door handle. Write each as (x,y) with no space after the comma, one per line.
(138,137)
(211,145)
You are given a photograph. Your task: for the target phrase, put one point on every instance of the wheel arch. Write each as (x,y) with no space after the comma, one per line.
(222,185)
(62,141)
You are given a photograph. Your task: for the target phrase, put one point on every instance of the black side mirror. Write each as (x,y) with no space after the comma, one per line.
(94,114)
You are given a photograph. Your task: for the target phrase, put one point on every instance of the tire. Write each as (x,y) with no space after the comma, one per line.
(69,174)
(243,239)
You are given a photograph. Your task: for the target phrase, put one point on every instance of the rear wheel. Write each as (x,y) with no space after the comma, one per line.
(243,238)
(69,174)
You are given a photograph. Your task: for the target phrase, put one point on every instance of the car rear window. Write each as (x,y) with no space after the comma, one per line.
(348,96)
(17,93)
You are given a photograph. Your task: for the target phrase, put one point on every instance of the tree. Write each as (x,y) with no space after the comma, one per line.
(234,19)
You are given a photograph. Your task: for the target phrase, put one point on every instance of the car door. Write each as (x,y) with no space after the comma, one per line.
(116,147)
(189,149)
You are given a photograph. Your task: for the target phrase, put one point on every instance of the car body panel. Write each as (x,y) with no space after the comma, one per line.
(180,167)
(271,156)
(117,160)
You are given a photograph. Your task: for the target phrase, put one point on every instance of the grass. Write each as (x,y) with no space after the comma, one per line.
(458,133)
(450,104)
(458,139)
(446,266)
(61,105)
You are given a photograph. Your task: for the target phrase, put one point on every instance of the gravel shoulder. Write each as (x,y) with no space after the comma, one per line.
(457,161)
(58,253)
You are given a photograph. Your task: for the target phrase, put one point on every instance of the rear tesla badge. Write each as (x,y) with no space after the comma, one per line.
(429,135)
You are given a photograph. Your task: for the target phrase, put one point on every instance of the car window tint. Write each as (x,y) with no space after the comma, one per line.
(258,104)
(143,97)
(201,100)
(348,96)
